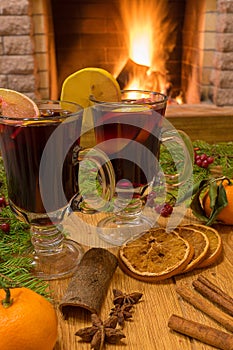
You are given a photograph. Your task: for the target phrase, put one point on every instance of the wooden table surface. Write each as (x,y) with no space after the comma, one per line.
(149,326)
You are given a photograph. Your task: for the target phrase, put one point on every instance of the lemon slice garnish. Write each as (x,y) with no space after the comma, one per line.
(131,109)
(79,86)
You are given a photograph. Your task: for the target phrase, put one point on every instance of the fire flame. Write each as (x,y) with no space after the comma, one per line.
(149,41)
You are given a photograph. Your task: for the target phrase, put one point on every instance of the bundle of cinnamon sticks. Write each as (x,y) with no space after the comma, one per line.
(216,304)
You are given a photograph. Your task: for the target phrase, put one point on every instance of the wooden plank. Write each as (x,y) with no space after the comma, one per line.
(203,122)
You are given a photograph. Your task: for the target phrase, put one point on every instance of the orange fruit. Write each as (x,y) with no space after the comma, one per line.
(215,244)
(13,104)
(29,323)
(200,243)
(155,255)
(226,214)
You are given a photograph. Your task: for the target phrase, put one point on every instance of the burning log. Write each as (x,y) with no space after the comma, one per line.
(141,76)
(130,71)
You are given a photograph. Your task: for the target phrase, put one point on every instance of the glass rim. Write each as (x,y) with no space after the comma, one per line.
(127,101)
(43,118)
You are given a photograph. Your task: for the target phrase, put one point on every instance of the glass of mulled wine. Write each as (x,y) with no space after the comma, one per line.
(129,135)
(42,179)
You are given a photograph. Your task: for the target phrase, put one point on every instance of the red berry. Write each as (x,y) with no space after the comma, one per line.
(169,208)
(210,160)
(203,160)
(166,210)
(5,227)
(203,156)
(205,163)
(199,162)
(2,202)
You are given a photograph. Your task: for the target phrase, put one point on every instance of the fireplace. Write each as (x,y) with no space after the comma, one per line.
(191,41)
(43,41)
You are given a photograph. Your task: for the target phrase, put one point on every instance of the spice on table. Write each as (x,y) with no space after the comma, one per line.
(207,307)
(88,287)
(124,298)
(219,298)
(206,334)
(101,332)
(122,312)
(215,288)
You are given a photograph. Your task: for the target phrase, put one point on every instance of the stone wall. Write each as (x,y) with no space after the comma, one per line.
(25,47)
(222,74)
(17,64)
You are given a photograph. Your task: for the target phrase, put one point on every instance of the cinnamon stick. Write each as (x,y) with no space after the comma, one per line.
(214,296)
(88,286)
(206,306)
(215,288)
(205,334)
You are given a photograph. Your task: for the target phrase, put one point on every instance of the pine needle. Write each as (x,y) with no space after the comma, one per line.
(15,266)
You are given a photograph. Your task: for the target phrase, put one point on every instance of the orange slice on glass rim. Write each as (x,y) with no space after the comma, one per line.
(155,255)
(97,82)
(200,243)
(215,244)
(14,104)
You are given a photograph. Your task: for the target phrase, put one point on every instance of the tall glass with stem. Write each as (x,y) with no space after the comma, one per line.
(130,133)
(22,143)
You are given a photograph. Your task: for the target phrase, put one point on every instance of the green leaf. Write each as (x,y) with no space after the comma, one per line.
(196,204)
(197,208)
(219,203)
(213,193)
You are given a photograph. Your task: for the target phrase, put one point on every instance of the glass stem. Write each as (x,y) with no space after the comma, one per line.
(47,240)
(129,211)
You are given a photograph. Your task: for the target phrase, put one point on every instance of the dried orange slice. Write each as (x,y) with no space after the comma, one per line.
(14,104)
(79,86)
(215,241)
(155,255)
(200,243)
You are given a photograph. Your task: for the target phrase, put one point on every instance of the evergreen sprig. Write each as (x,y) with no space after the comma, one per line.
(223,165)
(15,265)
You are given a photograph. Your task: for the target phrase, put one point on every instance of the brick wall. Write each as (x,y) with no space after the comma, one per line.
(199,36)
(93,33)
(207,68)
(88,34)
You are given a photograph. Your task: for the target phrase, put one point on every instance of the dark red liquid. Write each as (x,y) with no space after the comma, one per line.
(132,161)
(22,148)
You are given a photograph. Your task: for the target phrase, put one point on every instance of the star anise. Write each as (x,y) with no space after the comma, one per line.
(101,332)
(122,312)
(123,298)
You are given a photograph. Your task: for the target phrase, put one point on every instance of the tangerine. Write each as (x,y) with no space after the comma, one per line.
(226,214)
(28,323)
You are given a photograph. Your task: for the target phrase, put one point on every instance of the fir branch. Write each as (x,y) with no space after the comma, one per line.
(15,269)
(14,274)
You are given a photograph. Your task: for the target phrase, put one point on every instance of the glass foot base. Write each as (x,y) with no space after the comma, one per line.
(59,265)
(117,232)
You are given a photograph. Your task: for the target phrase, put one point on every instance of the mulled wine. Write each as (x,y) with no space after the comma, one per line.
(22,146)
(132,142)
